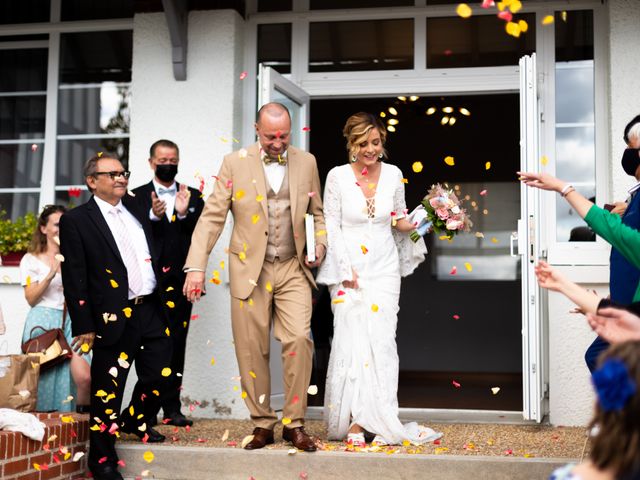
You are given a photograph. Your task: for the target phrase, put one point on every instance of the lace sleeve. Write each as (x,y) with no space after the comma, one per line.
(336,267)
(411,254)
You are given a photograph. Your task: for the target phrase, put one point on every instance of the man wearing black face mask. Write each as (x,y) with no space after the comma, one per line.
(623,276)
(174,210)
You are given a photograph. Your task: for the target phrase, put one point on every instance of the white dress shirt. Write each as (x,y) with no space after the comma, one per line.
(139,241)
(168,196)
(274,172)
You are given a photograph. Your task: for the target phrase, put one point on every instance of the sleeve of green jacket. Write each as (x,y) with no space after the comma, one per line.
(621,237)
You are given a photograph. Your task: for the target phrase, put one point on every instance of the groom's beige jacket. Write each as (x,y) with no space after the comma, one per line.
(241,187)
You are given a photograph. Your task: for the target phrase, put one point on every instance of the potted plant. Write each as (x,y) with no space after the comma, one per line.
(15,237)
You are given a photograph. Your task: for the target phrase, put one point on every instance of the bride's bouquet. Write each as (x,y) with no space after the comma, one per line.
(441,212)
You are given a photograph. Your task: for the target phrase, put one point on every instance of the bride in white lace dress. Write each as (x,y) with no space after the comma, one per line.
(369,251)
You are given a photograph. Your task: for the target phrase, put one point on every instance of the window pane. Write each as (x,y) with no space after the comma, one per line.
(574,92)
(94,10)
(575,160)
(333,4)
(24,11)
(72,154)
(362,45)
(22,117)
(21,165)
(574,35)
(103,109)
(274,46)
(479,41)
(72,198)
(96,57)
(275,5)
(19,204)
(23,70)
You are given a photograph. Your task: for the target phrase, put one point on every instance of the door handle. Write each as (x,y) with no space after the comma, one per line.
(513,238)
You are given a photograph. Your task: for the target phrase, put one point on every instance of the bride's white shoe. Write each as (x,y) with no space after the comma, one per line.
(356,440)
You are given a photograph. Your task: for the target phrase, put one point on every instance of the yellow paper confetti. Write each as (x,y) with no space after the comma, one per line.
(101,393)
(85,347)
(487,165)
(169,289)
(449,160)
(468,266)
(548,20)
(512,29)
(113,283)
(269,287)
(337,300)
(243,394)
(213,361)
(494,240)
(148,456)
(405,180)
(167,332)
(374,308)
(417,167)
(67,419)
(524,26)
(252,373)
(221,264)
(259,198)
(544,160)
(515,6)
(124,356)
(242,256)
(255,218)
(286,421)
(406,443)
(320,233)
(166,371)
(170,304)
(127,312)
(239,194)
(464,10)
(28,280)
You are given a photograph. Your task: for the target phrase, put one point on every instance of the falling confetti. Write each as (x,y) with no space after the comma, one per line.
(548,20)
(487,165)
(374,308)
(312,390)
(252,374)
(483,193)
(455,384)
(464,10)
(286,420)
(505,15)
(113,283)
(127,312)
(85,348)
(166,371)
(364,249)
(34,147)
(243,75)
(404,180)
(261,399)
(255,218)
(544,160)
(417,167)
(449,160)
(454,270)
(306,129)
(456,317)
(468,266)
(479,235)
(495,390)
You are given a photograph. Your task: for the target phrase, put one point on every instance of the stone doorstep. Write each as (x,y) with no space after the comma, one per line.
(187,463)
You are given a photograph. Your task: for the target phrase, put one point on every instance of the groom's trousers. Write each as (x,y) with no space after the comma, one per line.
(282,297)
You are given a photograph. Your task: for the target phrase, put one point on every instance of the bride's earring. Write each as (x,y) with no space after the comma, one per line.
(381,156)
(353,159)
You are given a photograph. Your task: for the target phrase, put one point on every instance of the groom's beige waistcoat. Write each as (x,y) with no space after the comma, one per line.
(241,188)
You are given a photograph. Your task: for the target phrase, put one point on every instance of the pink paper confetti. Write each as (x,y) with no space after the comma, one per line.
(487,3)
(81,302)
(34,147)
(122,463)
(165,269)
(102,460)
(364,171)
(229,184)
(455,384)
(306,129)
(456,317)
(311,194)
(505,15)
(483,193)
(243,75)
(454,270)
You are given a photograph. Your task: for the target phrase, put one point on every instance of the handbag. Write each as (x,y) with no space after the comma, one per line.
(19,382)
(51,346)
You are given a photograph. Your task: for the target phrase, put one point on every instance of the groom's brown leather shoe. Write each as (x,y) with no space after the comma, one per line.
(261,437)
(299,438)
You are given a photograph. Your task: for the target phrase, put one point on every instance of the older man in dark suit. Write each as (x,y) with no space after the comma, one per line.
(173,209)
(109,276)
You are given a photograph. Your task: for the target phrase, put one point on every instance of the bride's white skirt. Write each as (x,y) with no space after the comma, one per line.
(362,378)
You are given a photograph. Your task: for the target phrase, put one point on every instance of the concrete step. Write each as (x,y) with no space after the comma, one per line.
(190,463)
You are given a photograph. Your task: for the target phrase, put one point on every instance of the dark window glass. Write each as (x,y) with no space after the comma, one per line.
(70,198)
(96,57)
(24,38)
(479,41)
(95,10)
(19,204)
(24,11)
(333,4)
(574,35)
(274,46)
(361,45)
(275,5)
(72,154)
(103,109)
(23,70)
(22,117)
(21,165)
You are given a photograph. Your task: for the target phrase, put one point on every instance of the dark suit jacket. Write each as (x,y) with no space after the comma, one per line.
(94,276)
(172,240)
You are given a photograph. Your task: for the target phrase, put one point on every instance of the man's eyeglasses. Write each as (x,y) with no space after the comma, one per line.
(113,175)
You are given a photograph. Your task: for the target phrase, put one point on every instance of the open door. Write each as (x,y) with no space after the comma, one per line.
(273,87)
(534,341)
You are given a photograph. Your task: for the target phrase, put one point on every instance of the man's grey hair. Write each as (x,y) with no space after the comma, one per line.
(91,166)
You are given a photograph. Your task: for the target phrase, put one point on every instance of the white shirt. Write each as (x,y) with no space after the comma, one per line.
(168,198)
(139,241)
(274,172)
(634,189)
(34,270)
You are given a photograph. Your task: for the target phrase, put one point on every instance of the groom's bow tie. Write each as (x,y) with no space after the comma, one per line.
(170,190)
(267,159)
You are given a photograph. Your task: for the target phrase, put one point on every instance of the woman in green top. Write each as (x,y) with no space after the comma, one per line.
(609,226)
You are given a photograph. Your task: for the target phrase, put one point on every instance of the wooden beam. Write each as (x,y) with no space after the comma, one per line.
(177,14)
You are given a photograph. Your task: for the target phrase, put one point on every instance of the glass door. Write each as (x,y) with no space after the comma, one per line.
(273,87)
(534,341)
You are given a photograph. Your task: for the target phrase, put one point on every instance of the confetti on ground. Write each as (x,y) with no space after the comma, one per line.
(449,160)
(148,456)
(246,440)
(286,420)
(417,167)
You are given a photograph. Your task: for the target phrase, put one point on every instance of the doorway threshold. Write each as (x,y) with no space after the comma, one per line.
(445,415)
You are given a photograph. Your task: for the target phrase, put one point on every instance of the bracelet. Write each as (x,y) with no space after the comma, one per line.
(567,189)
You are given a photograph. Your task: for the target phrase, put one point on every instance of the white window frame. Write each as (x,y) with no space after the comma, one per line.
(54,28)
(423,81)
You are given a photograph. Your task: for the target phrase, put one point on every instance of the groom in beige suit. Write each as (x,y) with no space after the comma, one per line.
(268,187)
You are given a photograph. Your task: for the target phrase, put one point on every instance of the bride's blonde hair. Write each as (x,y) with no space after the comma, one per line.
(358,128)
